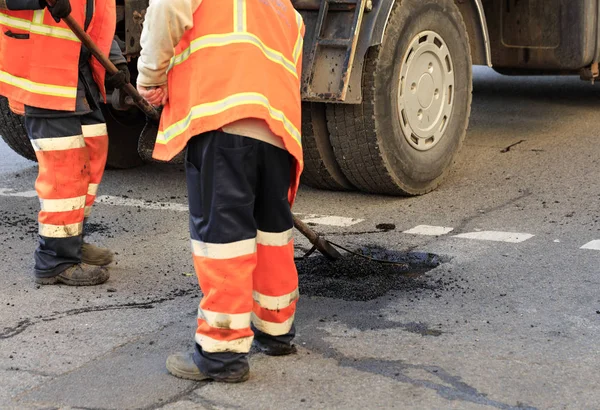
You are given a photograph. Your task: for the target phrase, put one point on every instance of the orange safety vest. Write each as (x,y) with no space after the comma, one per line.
(242,59)
(39,57)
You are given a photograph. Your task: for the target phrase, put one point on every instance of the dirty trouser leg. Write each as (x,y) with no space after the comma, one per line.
(95,135)
(220,171)
(275,278)
(62,185)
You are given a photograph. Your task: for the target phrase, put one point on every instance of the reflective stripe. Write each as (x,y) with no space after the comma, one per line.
(37,26)
(87,212)
(239,15)
(62,205)
(220,40)
(208,109)
(215,346)
(224,250)
(58,144)
(95,130)
(225,320)
(92,189)
(38,88)
(275,302)
(300,40)
(272,328)
(61,231)
(274,238)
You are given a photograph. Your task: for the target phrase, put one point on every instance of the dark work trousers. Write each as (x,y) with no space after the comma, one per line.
(71,153)
(236,186)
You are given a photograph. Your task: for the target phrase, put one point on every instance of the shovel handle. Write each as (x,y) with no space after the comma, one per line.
(129,89)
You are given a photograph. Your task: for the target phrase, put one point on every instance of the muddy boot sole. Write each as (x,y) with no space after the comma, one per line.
(101,276)
(185,369)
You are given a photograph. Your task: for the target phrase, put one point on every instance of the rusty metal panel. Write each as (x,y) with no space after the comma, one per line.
(531,23)
(542,35)
(135,11)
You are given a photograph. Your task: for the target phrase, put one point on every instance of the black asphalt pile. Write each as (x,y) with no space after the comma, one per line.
(358,279)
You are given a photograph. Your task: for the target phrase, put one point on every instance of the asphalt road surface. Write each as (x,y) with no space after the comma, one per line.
(499,306)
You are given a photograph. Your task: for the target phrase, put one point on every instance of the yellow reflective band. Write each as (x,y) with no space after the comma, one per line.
(92,189)
(58,144)
(272,328)
(224,250)
(274,238)
(214,108)
(37,26)
(95,130)
(38,88)
(62,205)
(225,320)
(220,40)
(300,40)
(275,302)
(61,231)
(217,346)
(239,15)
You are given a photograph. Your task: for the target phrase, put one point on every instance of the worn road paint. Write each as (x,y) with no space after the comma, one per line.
(429,230)
(120,201)
(340,221)
(593,245)
(26,194)
(172,206)
(511,237)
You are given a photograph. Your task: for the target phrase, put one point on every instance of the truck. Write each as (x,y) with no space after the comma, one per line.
(386,84)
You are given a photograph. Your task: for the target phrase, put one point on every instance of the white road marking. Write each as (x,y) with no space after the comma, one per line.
(594,245)
(340,221)
(429,230)
(138,203)
(172,206)
(511,237)
(26,194)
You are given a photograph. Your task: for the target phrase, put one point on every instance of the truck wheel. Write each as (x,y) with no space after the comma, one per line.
(13,131)
(124,128)
(321,170)
(404,136)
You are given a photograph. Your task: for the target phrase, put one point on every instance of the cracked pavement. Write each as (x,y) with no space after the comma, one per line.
(495,326)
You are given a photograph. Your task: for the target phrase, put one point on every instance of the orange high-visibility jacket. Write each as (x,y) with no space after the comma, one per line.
(241,59)
(39,57)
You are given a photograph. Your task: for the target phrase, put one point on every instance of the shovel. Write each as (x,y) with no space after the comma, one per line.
(148,136)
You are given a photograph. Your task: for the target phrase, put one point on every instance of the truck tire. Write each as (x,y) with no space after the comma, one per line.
(13,132)
(321,170)
(123,131)
(404,136)
(124,128)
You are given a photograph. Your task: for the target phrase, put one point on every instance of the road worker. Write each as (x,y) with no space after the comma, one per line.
(228,75)
(51,78)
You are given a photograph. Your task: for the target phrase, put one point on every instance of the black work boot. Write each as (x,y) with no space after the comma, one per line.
(77,275)
(182,365)
(95,255)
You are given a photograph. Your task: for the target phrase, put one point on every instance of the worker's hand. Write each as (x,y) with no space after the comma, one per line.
(156,96)
(60,9)
(118,80)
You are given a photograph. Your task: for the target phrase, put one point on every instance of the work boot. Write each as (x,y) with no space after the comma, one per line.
(77,275)
(275,348)
(95,255)
(182,365)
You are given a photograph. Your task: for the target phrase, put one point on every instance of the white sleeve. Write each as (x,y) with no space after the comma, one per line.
(165,23)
